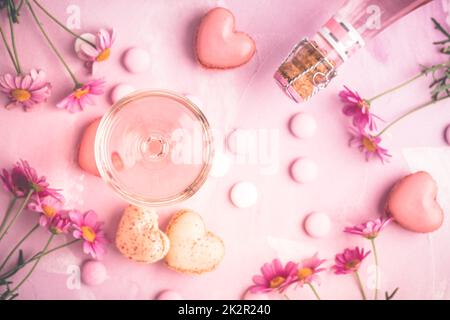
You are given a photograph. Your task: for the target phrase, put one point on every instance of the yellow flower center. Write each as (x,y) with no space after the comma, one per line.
(304,273)
(21,95)
(369,144)
(352,264)
(363,105)
(79,93)
(104,55)
(88,233)
(49,211)
(276,282)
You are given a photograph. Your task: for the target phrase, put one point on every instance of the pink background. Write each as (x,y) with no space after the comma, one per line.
(348,188)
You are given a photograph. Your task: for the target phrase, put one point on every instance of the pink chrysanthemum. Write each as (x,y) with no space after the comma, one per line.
(369,145)
(274,277)
(87,227)
(349,261)
(60,223)
(358,109)
(77,100)
(25,90)
(23,178)
(369,229)
(47,206)
(104,40)
(307,271)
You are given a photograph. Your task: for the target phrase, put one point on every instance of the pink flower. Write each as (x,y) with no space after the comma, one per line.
(369,229)
(307,271)
(60,223)
(104,40)
(369,145)
(349,261)
(47,206)
(357,108)
(25,90)
(23,178)
(87,227)
(274,277)
(82,96)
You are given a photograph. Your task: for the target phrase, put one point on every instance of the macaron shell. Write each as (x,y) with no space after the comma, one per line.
(194,250)
(138,236)
(86,154)
(78,44)
(218,45)
(413,205)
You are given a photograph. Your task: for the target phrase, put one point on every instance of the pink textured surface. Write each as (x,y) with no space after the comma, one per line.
(348,189)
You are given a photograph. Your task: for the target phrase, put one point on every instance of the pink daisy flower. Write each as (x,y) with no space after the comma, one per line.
(369,145)
(369,229)
(104,40)
(357,108)
(60,223)
(87,227)
(274,277)
(349,261)
(24,178)
(47,206)
(307,271)
(81,97)
(25,90)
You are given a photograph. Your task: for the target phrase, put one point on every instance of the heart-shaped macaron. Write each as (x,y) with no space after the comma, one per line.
(413,205)
(219,45)
(86,157)
(138,236)
(193,249)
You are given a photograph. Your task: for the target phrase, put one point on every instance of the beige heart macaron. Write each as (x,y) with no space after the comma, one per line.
(193,249)
(138,236)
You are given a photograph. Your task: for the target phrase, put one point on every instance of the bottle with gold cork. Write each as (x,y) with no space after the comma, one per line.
(313,62)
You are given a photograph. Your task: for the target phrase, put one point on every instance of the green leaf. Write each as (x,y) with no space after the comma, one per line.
(21,260)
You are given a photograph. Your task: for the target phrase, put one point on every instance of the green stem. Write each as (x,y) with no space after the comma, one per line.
(17,246)
(375,255)
(7,213)
(32,268)
(401,85)
(13,39)
(36,256)
(410,112)
(18,213)
(19,6)
(314,290)
(11,56)
(52,46)
(425,71)
(360,286)
(62,24)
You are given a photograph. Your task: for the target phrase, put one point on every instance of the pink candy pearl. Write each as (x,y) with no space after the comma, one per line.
(304,170)
(169,295)
(317,224)
(136,60)
(447,135)
(93,273)
(303,125)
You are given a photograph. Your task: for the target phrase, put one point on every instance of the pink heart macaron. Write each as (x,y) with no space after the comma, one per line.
(413,205)
(219,45)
